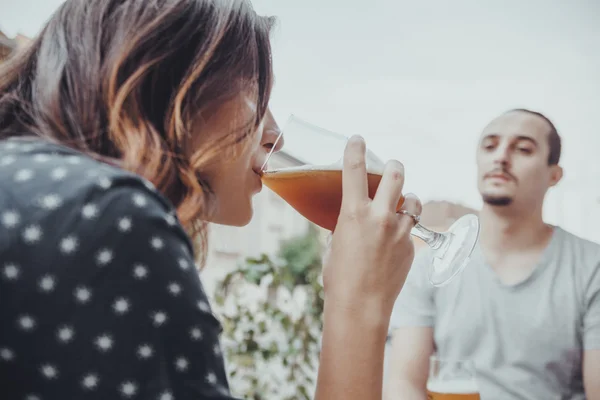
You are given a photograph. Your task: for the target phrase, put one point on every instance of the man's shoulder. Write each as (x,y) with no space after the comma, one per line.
(579,244)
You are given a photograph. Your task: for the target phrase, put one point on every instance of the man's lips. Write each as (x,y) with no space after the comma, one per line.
(499,175)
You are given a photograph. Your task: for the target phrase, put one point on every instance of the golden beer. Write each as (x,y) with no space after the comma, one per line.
(315,192)
(453,390)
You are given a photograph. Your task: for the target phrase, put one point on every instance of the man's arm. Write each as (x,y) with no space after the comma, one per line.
(591,374)
(412,335)
(408,365)
(591,336)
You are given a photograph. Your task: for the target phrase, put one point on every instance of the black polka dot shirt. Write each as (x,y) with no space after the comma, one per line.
(99,294)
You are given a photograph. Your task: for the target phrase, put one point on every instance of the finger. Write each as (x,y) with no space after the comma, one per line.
(354,173)
(389,191)
(412,204)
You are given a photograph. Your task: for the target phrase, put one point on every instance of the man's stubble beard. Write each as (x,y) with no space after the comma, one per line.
(498,201)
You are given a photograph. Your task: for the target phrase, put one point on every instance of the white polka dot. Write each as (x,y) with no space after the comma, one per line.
(128,389)
(159,318)
(203,306)
(174,288)
(145,351)
(41,158)
(7,160)
(125,224)
(148,184)
(32,234)
(171,219)
(104,257)
(217,350)
(90,381)
(166,396)
(26,323)
(183,263)
(195,333)
(140,271)
(65,334)
(23,175)
(50,201)
(10,219)
(181,364)
(32,397)
(58,174)
(211,378)
(74,160)
(157,243)
(49,371)
(69,245)
(121,306)
(139,200)
(47,283)
(104,342)
(83,294)
(104,183)
(6,354)
(89,211)
(11,272)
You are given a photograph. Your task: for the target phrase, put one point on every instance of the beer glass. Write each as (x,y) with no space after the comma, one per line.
(451,380)
(315,191)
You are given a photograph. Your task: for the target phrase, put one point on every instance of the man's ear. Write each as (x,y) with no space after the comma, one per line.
(556,174)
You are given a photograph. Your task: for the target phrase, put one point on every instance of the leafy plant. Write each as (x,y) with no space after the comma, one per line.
(271,313)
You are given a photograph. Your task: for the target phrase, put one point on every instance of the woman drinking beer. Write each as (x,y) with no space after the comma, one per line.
(124,125)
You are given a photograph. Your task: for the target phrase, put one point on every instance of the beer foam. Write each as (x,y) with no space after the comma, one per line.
(462,386)
(371,169)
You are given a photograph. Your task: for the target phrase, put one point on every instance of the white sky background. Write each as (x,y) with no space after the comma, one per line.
(407,75)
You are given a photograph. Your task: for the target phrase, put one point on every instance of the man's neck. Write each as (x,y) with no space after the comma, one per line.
(502,229)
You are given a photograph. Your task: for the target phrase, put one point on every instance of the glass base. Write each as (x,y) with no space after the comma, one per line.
(454,253)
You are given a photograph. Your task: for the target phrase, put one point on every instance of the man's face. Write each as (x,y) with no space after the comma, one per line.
(512,161)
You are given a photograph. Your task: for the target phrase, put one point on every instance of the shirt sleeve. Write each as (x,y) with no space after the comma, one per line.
(415,304)
(131,319)
(591,319)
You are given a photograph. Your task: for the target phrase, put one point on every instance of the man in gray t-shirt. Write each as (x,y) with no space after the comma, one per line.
(526,310)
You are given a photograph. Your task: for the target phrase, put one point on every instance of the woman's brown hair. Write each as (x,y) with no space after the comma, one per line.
(123,81)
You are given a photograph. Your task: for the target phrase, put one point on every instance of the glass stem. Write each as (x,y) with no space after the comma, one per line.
(433,239)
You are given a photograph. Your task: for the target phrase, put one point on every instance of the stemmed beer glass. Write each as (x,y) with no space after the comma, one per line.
(315,191)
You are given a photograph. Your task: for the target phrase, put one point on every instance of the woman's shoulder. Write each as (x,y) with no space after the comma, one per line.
(44,186)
